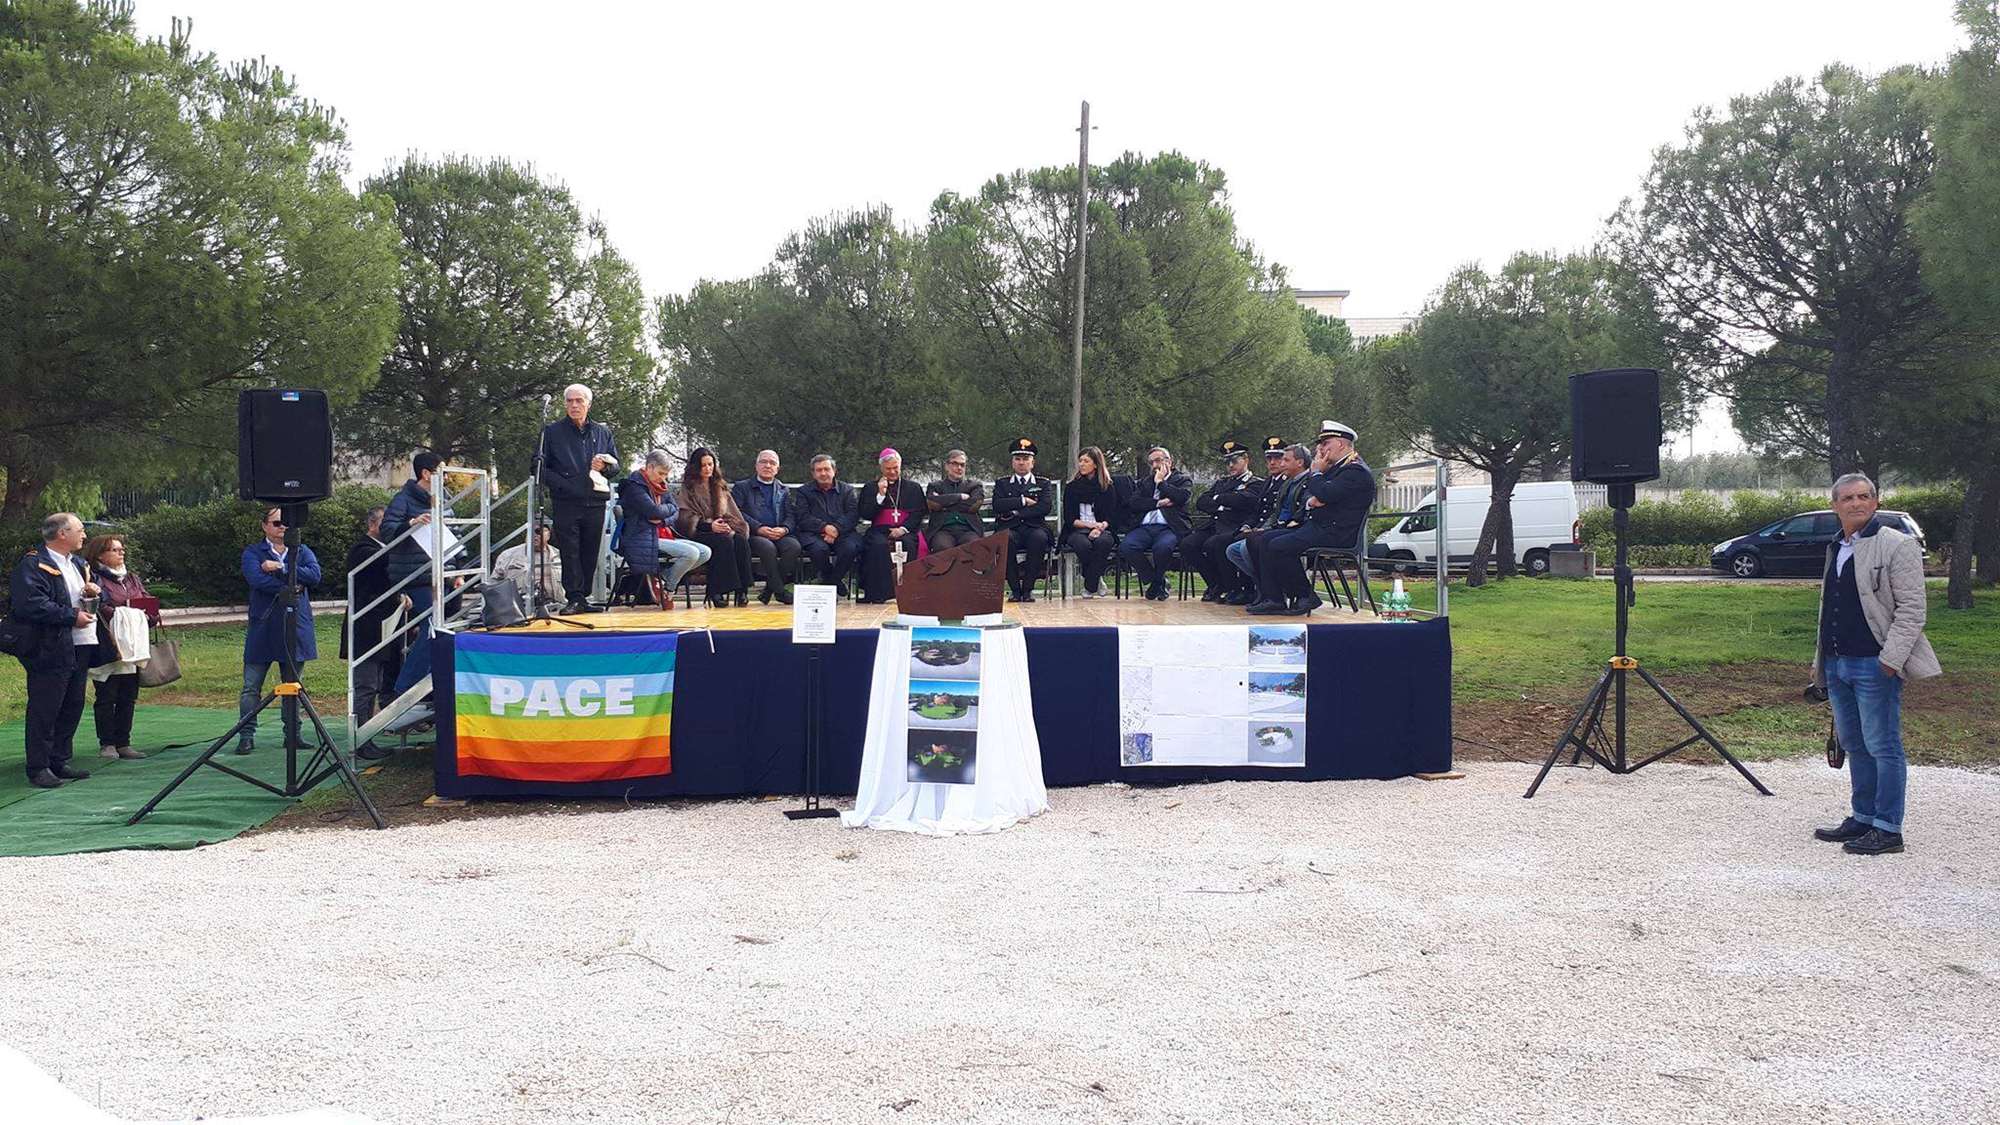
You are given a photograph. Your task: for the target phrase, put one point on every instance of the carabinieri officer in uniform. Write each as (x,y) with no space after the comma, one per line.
(1022,502)
(1339,492)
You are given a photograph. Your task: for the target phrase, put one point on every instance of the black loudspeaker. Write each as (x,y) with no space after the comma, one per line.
(1614,419)
(284,446)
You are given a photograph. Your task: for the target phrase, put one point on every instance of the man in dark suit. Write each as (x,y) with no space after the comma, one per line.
(1160,517)
(1338,493)
(48,588)
(766,504)
(827,512)
(1276,497)
(577,455)
(1022,503)
(1231,504)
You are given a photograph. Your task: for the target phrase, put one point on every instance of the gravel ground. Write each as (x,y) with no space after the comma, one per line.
(1667,947)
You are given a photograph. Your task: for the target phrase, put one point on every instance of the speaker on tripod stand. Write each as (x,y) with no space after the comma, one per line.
(1615,441)
(284,458)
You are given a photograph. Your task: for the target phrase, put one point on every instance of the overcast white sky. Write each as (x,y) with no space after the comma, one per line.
(1368,147)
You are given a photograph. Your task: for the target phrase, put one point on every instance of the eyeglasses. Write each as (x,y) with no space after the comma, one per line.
(956,464)
(114,550)
(274,523)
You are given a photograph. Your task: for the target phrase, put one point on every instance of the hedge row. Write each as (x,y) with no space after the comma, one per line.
(196,554)
(1700,520)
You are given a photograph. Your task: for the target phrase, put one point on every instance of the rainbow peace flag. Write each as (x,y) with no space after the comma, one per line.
(559,707)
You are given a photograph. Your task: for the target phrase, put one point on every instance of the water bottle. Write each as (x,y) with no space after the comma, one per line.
(1398,608)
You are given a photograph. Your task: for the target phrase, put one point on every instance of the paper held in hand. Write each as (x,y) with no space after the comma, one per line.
(424,538)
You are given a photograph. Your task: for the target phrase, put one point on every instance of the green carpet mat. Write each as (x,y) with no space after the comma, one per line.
(90,815)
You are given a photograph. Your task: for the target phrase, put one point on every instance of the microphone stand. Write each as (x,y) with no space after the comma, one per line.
(538,561)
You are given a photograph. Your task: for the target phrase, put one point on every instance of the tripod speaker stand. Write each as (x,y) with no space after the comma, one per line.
(291,695)
(1587,732)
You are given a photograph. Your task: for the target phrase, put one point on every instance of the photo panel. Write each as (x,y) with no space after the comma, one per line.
(1277,742)
(1278,693)
(944,653)
(939,704)
(1277,645)
(943,757)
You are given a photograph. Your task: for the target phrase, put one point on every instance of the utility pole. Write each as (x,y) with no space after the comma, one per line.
(1076,342)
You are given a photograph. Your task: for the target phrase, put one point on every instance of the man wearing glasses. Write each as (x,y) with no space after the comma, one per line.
(954,505)
(264,566)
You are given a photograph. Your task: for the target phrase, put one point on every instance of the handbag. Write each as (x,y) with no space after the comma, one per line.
(163,665)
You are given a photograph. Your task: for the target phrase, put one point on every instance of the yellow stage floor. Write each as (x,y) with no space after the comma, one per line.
(1051,613)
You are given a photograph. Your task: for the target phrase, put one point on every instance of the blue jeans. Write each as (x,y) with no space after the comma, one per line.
(417,664)
(1149,550)
(1868,716)
(1238,554)
(679,557)
(254,676)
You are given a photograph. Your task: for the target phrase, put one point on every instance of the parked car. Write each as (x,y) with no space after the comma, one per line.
(1545,519)
(1795,545)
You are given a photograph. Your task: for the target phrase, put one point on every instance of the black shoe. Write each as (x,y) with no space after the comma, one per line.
(70,773)
(1876,842)
(589,607)
(570,608)
(1239,598)
(44,779)
(765,597)
(245,748)
(1849,829)
(785,596)
(1027,597)
(1267,608)
(374,753)
(1211,595)
(742,598)
(1306,604)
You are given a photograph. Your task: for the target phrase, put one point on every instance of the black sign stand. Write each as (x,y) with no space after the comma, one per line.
(815,720)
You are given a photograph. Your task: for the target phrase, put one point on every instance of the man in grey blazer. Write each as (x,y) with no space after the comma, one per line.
(1871,640)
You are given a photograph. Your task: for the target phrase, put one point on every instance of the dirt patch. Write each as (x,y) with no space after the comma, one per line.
(1951,720)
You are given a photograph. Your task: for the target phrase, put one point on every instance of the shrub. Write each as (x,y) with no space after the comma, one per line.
(197,551)
(1696,519)
(1934,507)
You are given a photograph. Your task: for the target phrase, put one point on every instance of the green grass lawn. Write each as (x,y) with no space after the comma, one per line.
(211,673)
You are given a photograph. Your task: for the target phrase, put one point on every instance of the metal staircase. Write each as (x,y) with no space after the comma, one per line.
(470,557)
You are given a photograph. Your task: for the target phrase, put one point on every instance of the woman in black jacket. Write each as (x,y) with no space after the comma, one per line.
(1090,517)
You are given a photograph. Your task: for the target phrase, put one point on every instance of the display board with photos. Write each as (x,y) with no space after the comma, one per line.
(944,705)
(1229,695)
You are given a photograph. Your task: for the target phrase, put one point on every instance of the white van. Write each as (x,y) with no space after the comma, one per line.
(1545,519)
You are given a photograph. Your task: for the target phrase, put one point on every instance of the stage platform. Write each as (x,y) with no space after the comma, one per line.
(1378,695)
(1076,613)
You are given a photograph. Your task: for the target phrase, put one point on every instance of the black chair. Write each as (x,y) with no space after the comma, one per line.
(1329,563)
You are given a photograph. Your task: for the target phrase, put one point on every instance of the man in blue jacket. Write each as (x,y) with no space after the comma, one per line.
(264,568)
(48,587)
(827,512)
(577,457)
(411,507)
(766,504)
(1338,493)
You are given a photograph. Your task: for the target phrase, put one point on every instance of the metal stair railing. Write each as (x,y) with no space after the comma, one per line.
(439,572)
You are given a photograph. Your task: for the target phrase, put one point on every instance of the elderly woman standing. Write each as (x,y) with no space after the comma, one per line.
(709,516)
(648,540)
(117,678)
(894,509)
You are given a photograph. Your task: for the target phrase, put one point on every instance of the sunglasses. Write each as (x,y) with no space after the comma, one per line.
(274,523)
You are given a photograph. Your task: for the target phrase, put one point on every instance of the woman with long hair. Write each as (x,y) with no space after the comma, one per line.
(117,678)
(709,516)
(1090,516)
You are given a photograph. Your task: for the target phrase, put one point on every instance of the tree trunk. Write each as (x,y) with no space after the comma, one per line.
(24,491)
(1489,531)
(1503,530)
(1844,410)
(1986,540)
(1958,586)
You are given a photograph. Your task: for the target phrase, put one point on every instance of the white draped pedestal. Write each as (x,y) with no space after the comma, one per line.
(1007,783)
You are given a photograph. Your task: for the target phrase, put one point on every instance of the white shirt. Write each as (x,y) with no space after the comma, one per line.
(1845,553)
(82,635)
(1155,516)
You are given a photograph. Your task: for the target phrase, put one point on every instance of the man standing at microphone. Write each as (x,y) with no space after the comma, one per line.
(576,456)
